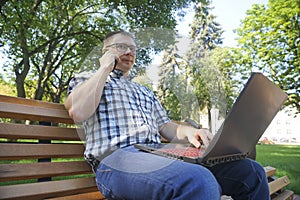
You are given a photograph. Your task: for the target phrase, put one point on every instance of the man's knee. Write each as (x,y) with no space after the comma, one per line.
(244,179)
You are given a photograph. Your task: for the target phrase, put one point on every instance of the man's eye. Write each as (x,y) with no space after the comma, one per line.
(122,46)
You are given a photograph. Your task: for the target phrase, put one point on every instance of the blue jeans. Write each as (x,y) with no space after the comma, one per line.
(131,174)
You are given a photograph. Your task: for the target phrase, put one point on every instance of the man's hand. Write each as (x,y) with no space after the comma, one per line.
(199,137)
(108,60)
(177,132)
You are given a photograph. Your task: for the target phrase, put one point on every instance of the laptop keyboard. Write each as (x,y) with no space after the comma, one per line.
(186,152)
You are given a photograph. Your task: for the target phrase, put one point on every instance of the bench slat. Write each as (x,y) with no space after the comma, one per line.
(286,195)
(26,151)
(22,131)
(11,172)
(278,184)
(86,196)
(32,102)
(34,113)
(270,171)
(49,189)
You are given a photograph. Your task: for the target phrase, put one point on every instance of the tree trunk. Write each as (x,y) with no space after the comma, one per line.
(20,86)
(19,72)
(20,76)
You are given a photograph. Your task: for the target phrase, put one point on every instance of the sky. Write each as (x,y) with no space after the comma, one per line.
(229,14)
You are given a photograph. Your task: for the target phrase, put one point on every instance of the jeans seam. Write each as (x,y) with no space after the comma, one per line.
(107,192)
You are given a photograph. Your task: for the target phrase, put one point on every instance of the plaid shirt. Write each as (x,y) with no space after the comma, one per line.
(128,113)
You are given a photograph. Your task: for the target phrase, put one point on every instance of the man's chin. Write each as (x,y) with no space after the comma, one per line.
(125,68)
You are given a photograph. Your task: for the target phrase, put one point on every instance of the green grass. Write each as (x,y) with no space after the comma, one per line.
(286,160)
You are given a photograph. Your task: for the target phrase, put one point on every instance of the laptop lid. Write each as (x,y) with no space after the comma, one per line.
(249,117)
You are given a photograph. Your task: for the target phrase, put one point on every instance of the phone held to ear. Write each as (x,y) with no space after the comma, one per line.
(116,62)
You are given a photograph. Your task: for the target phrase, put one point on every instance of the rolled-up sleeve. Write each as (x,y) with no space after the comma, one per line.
(77,80)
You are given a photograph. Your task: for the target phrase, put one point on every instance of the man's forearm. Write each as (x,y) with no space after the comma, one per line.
(174,132)
(83,101)
(178,133)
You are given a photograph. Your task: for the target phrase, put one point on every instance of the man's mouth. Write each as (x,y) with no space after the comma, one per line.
(127,60)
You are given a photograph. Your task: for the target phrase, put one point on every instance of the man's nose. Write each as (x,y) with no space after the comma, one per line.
(128,51)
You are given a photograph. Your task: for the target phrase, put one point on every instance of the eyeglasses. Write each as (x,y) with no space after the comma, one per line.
(122,48)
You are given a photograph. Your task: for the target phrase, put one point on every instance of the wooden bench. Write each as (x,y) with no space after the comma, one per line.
(41,155)
(277,185)
(34,156)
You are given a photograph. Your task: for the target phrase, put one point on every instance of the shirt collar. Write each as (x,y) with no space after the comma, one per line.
(116,74)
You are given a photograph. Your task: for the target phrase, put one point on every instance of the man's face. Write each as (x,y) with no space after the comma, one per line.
(124,47)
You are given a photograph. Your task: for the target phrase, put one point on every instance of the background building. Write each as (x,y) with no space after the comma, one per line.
(284,128)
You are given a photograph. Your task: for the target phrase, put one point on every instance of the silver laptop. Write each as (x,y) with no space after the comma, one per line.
(249,117)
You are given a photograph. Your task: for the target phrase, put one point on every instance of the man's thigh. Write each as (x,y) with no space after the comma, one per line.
(132,174)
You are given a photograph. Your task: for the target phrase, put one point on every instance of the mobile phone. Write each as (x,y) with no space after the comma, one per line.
(116,62)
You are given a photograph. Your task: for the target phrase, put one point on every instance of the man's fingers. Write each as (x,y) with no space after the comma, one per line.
(108,60)
(205,141)
(203,136)
(196,142)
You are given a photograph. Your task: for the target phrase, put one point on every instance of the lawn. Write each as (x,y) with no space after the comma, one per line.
(286,160)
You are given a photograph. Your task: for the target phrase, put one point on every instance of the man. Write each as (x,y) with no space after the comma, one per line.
(117,113)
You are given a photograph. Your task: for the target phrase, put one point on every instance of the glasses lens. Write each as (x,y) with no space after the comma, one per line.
(123,47)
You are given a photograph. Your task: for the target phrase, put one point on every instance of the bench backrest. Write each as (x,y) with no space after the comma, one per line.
(41,151)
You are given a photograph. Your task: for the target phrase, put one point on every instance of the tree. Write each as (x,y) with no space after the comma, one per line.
(45,38)
(167,75)
(173,89)
(205,31)
(204,76)
(206,36)
(269,40)
(47,41)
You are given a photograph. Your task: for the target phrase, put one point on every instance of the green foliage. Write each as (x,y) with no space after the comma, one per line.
(286,160)
(269,40)
(171,103)
(48,41)
(153,13)
(144,80)
(206,36)
(205,77)
(205,31)
(213,81)
(6,88)
(171,85)
(46,38)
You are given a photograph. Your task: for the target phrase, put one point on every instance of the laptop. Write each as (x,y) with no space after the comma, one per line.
(249,117)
